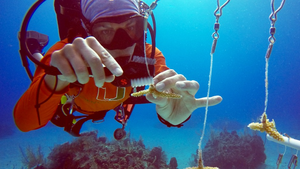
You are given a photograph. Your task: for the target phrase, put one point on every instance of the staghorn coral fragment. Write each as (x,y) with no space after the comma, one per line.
(156,93)
(256,126)
(266,126)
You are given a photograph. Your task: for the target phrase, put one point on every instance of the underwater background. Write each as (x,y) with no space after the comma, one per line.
(184,30)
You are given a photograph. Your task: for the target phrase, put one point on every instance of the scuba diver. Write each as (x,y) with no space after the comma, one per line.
(97,60)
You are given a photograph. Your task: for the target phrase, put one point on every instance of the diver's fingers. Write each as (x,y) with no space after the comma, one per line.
(163,75)
(214,100)
(74,54)
(62,78)
(63,65)
(106,58)
(191,87)
(92,60)
(110,78)
(169,80)
(159,101)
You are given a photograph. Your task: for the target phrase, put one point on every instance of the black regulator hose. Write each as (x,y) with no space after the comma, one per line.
(153,36)
(24,51)
(154,24)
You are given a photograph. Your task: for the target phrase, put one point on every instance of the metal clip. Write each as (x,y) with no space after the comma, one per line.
(120,113)
(269,51)
(70,100)
(213,48)
(273,18)
(279,159)
(218,14)
(293,161)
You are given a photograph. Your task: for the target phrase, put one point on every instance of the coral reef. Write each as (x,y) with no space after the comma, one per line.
(30,159)
(156,93)
(231,151)
(173,163)
(266,126)
(90,151)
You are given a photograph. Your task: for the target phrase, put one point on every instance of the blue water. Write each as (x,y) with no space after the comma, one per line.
(184,30)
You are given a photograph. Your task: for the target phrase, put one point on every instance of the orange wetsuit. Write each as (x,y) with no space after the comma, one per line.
(90,99)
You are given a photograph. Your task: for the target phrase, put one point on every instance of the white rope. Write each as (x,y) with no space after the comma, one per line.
(266,85)
(206,107)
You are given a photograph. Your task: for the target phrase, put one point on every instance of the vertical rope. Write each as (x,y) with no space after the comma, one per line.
(206,109)
(266,84)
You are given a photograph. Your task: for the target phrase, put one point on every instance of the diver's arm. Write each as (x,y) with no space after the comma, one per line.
(25,111)
(29,106)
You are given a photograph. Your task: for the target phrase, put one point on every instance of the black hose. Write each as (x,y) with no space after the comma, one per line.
(24,51)
(23,31)
(154,24)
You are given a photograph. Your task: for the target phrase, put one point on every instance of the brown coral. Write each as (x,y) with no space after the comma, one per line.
(266,126)
(90,151)
(156,93)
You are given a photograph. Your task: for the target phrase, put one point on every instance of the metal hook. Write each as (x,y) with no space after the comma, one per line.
(220,8)
(273,16)
(215,35)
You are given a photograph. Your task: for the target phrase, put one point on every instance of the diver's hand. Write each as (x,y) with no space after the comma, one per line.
(175,111)
(74,59)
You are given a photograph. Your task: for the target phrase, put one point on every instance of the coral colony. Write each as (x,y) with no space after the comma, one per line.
(230,150)
(90,151)
(266,126)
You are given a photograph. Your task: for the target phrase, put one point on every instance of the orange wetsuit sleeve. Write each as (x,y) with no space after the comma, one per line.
(25,111)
